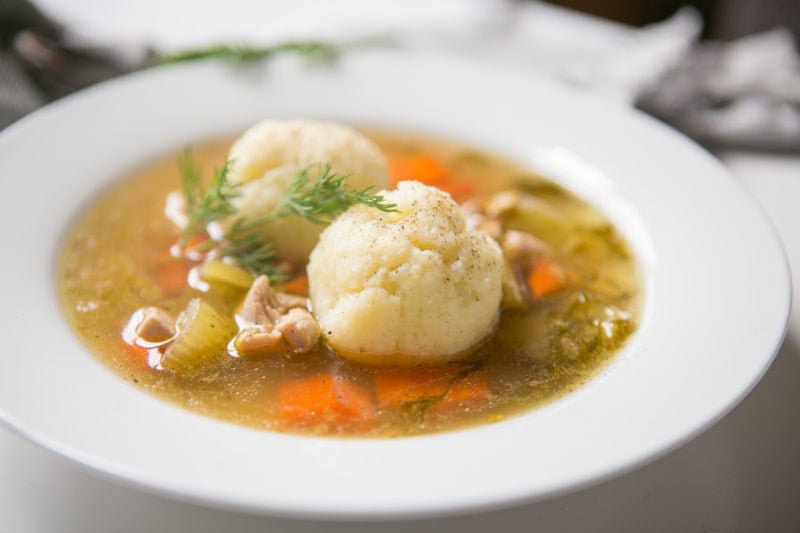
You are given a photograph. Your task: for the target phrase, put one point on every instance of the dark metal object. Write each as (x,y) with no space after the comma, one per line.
(40,61)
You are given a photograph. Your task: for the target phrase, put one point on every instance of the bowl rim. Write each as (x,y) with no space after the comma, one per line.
(352,66)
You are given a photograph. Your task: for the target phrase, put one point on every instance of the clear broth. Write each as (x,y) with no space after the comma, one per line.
(536,355)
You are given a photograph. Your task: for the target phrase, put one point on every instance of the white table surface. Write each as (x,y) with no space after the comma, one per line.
(741,475)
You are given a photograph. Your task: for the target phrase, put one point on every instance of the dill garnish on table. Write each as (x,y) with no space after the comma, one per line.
(241,52)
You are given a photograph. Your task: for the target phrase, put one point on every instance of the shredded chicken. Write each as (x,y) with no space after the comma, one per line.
(489,225)
(299,329)
(477,219)
(285,268)
(156,325)
(471,206)
(290,301)
(260,305)
(256,340)
(502,203)
(523,249)
(276,317)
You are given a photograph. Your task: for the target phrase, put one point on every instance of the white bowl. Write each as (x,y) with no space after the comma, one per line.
(716,279)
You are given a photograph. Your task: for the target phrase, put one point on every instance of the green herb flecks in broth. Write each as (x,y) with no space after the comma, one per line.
(116,260)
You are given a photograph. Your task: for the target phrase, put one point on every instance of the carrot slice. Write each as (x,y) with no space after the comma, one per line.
(325,398)
(140,354)
(424,169)
(171,274)
(298,285)
(546,278)
(196,240)
(460,190)
(395,387)
(430,171)
(465,393)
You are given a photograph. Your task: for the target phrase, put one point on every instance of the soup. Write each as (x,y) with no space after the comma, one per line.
(564,316)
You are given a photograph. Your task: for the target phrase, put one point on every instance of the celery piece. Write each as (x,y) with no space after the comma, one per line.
(215,271)
(203,334)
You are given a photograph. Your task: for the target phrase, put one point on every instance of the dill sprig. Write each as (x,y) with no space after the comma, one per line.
(319,202)
(204,206)
(418,408)
(327,198)
(318,50)
(190,180)
(243,243)
(214,203)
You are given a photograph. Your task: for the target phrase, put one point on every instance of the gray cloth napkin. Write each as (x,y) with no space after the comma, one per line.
(741,94)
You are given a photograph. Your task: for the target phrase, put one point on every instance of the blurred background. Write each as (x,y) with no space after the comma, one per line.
(724,19)
(725,72)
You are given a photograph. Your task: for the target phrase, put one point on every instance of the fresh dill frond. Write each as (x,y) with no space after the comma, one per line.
(327,198)
(204,206)
(256,255)
(190,180)
(243,241)
(417,409)
(317,50)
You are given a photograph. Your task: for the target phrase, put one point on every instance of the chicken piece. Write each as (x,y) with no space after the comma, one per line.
(491,227)
(487,225)
(285,268)
(260,306)
(502,202)
(287,302)
(515,290)
(471,207)
(156,325)
(263,305)
(476,219)
(258,341)
(523,250)
(277,317)
(299,329)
